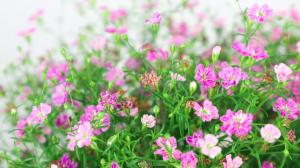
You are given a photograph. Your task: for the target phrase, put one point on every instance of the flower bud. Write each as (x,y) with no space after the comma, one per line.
(112,139)
(156,110)
(193,87)
(215,53)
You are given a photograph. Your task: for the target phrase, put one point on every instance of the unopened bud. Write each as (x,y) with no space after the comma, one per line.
(215,53)
(193,87)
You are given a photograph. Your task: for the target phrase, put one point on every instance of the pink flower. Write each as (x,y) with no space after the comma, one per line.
(205,76)
(167,146)
(188,160)
(84,134)
(231,76)
(27,32)
(110,29)
(237,123)
(194,140)
(98,43)
(60,94)
(116,75)
(283,72)
(71,140)
(177,77)
(267,164)
(148,121)
(114,165)
(259,14)
(207,112)
(20,128)
(232,163)
(298,46)
(38,14)
(270,133)
(103,123)
(132,63)
(295,15)
(66,162)
(155,19)
(58,72)
(62,120)
(209,146)
(152,56)
(39,114)
(287,108)
(276,34)
(117,14)
(256,53)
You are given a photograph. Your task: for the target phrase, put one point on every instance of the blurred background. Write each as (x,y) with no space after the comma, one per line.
(61,21)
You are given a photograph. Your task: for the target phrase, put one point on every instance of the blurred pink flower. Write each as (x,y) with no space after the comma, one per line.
(155,18)
(188,160)
(148,121)
(37,15)
(98,43)
(58,72)
(116,75)
(132,63)
(295,14)
(20,128)
(259,14)
(60,93)
(276,34)
(207,112)
(177,77)
(117,14)
(270,133)
(283,72)
(27,32)
(232,163)
(209,146)
(298,46)
(39,114)
(237,123)
(205,76)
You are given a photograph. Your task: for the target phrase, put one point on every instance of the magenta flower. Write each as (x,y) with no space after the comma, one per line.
(152,56)
(270,133)
(58,72)
(194,140)
(209,146)
(155,19)
(231,76)
(283,72)
(66,162)
(267,164)
(188,160)
(287,108)
(117,14)
(20,128)
(256,52)
(114,165)
(60,94)
(207,112)
(62,120)
(167,146)
(237,123)
(116,75)
(39,114)
(232,163)
(205,76)
(84,134)
(259,14)
(148,121)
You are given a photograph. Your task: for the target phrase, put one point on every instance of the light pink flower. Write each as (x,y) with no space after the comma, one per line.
(259,14)
(132,63)
(276,34)
(20,128)
(58,72)
(298,46)
(295,14)
(117,14)
(207,112)
(167,145)
(270,133)
(60,94)
(287,108)
(267,164)
(27,32)
(71,140)
(205,76)
(155,19)
(237,123)
(148,121)
(231,76)
(98,43)
(283,72)
(116,75)
(37,15)
(84,134)
(209,146)
(232,163)
(103,123)
(188,160)
(177,77)
(194,140)
(39,114)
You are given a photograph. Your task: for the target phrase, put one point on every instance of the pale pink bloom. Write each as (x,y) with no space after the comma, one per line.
(287,108)
(219,23)
(41,139)
(270,133)
(155,18)
(39,114)
(177,77)
(283,72)
(298,47)
(209,146)
(26,92)
(27,32)
(178,39)
(37,15)
(97,61)
(276,34)
(206,76)
(121,30)
(20,128)
(84,134)
(216,50)
(231,76)
(58,72)
(47,131)
(237,123)
(207,111)
(259,13)
(60,94)
(71,141)
(295,14)
(116,75)
(104,124)
(148,121)
(267,164)
(188,160)
(232,163)
(110,29)
(117,14)
(132,63)
(167,145)
(98,43)
(194,140)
